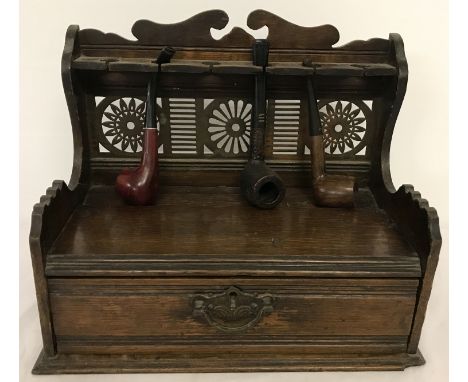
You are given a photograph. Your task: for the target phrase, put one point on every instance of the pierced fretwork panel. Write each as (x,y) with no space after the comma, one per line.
(119,124)
(220,128)
(345,127)
(226,127)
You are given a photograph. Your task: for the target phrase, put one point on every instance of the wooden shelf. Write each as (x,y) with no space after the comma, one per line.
(212,230)
(232,67)
(333,69)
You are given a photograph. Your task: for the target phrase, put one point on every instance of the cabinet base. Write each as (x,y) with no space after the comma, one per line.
(110,364)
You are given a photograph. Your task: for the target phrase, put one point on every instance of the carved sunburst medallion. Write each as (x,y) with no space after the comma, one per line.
(229,127)
(122,124)
(344,125)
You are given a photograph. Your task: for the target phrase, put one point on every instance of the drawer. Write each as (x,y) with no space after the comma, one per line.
(235,314)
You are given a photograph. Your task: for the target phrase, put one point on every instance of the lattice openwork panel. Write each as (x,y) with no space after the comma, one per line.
(198,128)
(285,127)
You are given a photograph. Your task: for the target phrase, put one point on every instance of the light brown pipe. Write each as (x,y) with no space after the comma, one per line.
(329,190)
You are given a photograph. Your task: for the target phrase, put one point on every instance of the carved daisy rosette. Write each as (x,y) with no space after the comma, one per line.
(228,127)
(344,125)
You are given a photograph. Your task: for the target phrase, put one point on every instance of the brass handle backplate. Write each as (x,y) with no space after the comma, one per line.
(232,310)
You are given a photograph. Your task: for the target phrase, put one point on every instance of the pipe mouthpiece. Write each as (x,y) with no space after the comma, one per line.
(260,52)
(165,55)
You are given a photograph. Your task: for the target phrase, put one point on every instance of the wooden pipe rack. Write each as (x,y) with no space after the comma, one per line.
(202,281)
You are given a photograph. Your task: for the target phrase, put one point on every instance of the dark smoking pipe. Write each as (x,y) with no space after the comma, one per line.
(260,185)
(139,186)
(329,190)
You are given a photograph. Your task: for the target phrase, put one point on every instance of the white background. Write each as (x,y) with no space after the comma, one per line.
(418,155)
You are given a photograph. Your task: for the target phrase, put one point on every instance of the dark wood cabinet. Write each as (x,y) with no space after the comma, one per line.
(202,280)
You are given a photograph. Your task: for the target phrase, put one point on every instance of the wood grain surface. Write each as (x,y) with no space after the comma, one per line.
(151,315)
(204,230)
(119,287)
(223,362)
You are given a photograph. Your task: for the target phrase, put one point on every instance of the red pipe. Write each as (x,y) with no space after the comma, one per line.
(140,186)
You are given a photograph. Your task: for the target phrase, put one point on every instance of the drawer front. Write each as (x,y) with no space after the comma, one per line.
(151,315)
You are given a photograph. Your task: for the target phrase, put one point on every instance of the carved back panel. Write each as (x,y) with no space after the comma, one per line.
(220,128)
(205,99)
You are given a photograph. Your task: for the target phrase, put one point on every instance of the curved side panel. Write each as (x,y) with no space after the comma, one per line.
(387,110)
(417,221)
(70,51)
(48,218)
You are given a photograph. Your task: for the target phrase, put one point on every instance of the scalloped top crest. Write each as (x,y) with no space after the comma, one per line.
(196,32)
